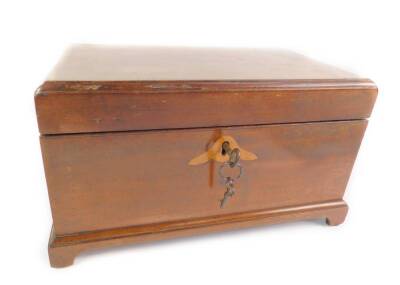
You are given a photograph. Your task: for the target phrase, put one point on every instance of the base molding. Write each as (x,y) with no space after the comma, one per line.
(64,249)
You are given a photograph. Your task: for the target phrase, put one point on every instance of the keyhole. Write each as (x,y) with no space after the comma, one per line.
(225,147)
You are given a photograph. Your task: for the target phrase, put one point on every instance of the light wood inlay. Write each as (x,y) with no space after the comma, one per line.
(214,152)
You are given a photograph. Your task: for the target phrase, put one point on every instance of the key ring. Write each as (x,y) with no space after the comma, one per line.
(225,164)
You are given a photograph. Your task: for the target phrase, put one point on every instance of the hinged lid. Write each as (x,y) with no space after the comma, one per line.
(102,89)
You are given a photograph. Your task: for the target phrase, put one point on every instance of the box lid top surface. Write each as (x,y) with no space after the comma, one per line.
(113,88)
(119,63)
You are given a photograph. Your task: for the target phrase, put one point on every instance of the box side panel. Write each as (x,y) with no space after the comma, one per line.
(114,180)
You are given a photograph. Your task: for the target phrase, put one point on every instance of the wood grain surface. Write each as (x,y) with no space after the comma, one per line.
(128,138)
(112,180)
(64,249)
(83,107)
(127,63)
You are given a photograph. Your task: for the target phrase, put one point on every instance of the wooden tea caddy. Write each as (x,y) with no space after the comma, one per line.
(132,142)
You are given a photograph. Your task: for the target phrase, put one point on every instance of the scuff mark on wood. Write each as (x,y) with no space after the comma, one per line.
(85,86)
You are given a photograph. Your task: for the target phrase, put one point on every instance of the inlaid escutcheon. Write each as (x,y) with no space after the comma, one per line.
(214,152)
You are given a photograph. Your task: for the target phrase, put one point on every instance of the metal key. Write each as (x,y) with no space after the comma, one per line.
(230,190)
(232,162)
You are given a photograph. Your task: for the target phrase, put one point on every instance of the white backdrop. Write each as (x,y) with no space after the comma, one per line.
(362,36)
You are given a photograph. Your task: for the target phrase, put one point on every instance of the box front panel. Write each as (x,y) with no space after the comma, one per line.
(120,179)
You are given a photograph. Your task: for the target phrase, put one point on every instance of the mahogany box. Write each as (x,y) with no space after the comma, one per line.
(145,143)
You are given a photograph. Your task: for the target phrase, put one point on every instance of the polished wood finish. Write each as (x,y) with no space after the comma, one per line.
(129,135)
(107,180)
(81,107)
(133,63)
(64,249)
(110,88)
